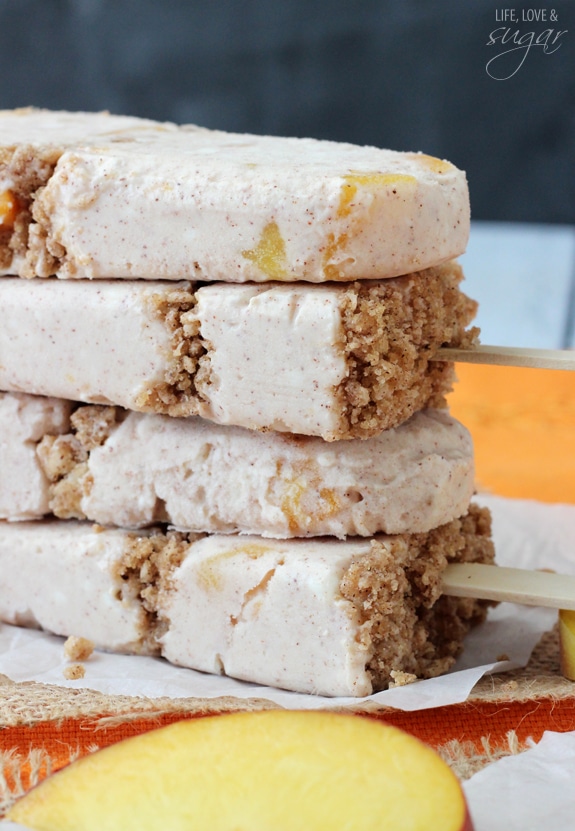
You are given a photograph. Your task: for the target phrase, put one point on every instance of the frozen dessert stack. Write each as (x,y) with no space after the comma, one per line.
(227,367)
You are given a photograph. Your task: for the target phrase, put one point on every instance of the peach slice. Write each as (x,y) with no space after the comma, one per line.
(277,770)
(9,209)
(567,643)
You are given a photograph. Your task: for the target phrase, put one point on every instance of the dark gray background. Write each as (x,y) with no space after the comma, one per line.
(406,74)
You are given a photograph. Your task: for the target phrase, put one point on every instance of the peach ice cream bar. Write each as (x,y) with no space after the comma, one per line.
(320,616)
(132,470)
(91,195)
(336,361)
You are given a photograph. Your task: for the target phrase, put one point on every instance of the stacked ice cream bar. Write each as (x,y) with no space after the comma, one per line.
(222,431)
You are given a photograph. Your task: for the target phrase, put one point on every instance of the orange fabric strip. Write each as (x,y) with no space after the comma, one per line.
(464,722)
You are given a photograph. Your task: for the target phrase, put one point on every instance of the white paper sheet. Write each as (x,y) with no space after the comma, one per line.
(533,790)
(527,534)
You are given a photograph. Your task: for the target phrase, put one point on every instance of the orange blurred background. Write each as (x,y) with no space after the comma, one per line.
(523,425)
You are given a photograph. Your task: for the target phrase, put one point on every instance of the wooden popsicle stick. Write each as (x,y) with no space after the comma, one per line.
(514,585)
(510,356)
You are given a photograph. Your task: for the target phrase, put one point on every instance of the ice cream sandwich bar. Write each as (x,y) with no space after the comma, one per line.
(331,360)
(318,616)
(99,196)
(132,470)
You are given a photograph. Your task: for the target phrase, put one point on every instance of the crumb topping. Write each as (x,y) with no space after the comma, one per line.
(392,329)
(28,170)
(64,458)
(147,568)
(74,672)
(396,588)
(78,649)
(401,679)
(178,394)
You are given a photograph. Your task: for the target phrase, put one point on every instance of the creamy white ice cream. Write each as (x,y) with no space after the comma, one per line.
(257,604)
(276,356)
(64,577)
(103,343)
(33,127)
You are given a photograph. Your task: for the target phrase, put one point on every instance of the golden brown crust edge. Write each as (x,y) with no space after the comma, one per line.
(391,375)
(412,630)
(28,169)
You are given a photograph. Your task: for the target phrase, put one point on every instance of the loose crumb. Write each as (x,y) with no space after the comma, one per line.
(401,679)
(74,672)
(503,657)
(78,649)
